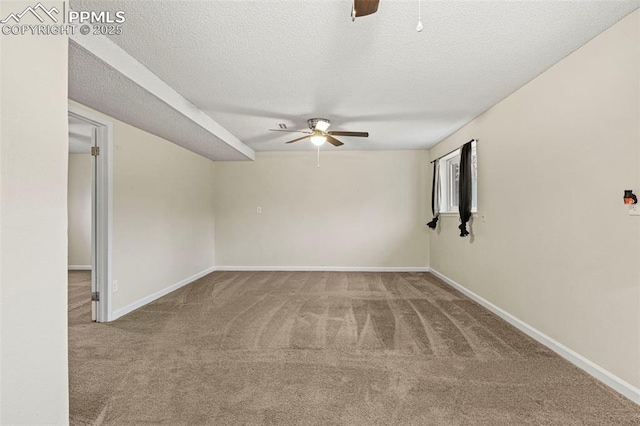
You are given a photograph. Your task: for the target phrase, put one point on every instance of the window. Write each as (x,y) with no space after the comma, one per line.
(449,170)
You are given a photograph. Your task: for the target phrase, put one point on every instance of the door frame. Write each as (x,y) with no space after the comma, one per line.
(104,210)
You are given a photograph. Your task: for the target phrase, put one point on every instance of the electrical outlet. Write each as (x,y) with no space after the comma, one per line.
(634,210)
(115,286)
(258,210)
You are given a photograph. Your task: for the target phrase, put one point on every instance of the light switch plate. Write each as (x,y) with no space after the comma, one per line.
(634,210)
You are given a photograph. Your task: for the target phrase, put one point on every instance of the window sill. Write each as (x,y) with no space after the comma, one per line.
(473,213)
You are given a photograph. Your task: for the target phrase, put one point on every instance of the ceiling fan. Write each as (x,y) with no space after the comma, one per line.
(318,133)
(363,8)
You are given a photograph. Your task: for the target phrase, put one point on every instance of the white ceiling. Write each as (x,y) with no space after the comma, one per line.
(97,84)
(251,65)
(79,136)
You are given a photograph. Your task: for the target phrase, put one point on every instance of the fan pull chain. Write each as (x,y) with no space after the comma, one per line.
(318,156)
(420,26)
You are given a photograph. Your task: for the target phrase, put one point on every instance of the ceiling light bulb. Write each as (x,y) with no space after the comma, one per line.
(420,26)
(318,139)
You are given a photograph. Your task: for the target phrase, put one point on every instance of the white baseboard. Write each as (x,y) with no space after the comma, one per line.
(326,268)
(158,294)
(606,377)
(79,267)
(148,299)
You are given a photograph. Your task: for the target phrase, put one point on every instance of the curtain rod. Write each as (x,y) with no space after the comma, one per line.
(453,150)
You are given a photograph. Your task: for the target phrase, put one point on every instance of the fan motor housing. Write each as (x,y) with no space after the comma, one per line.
(313,122)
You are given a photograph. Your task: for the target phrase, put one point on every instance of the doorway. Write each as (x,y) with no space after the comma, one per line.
(89,213)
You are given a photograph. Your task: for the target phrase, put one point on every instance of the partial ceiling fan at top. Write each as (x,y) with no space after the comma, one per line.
(318,133)
(363,8)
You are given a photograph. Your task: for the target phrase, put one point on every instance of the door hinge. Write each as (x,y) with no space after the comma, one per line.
(95,151)
(95,296)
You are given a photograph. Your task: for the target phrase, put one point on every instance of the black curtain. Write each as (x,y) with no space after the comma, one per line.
(435,197)
(464,189)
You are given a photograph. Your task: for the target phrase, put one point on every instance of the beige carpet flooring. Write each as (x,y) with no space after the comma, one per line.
(316,348)
(79,304)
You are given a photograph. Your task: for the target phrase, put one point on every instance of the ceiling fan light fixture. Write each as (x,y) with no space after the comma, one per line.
(318,134)
(318,139)
(323,125)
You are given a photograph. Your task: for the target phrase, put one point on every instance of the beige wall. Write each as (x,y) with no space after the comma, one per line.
(79,210)
(33,228)
(162,213)
(359,209)
(558,249)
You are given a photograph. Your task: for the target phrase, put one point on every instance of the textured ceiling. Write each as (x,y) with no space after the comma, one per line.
(251,65)
(95,84)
